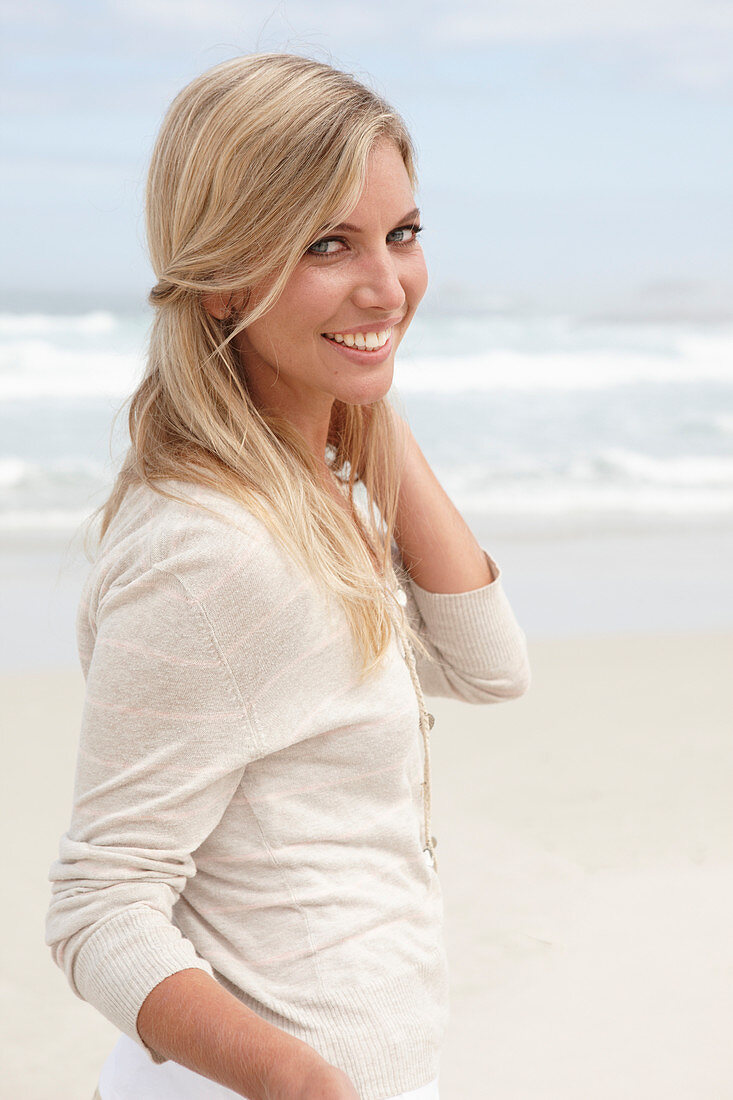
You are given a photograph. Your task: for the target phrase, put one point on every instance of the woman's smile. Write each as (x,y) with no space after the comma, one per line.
(364,343)
(360,347)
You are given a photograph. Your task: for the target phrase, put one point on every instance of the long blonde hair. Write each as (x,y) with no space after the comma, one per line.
(255,159)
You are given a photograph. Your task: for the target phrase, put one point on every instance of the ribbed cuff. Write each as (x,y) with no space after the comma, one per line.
(125,959)
(475,630)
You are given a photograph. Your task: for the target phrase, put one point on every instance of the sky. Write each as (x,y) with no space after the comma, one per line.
(573,157)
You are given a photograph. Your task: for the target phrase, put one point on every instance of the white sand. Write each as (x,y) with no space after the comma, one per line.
(586,854)
(586,841)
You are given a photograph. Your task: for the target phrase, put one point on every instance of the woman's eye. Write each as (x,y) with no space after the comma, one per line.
(331,246)
(326,246)
(406,234)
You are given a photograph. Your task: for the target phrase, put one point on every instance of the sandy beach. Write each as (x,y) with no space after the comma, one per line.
(586,854)
(568,376)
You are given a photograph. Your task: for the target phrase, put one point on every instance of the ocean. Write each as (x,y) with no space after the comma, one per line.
(593,459)
(538,423)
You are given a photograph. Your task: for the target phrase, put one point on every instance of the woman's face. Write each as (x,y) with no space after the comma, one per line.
(334,330)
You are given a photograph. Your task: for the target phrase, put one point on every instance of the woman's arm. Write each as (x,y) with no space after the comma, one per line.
(437,547)
(194,1021)
(455,597)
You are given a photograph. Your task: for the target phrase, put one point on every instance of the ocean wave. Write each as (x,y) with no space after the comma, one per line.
(682,471)
(13,472)
(607,467)
(59,495)
(507,369)
(613,481)
(568,500)
(660,447)
(722,423)
(52,520)
(103,354)
(611,467)
(559,503)
(20,475)
(36,369)
(96,323)
(39,369)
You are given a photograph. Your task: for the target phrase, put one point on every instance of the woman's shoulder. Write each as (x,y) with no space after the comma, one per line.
(189,533)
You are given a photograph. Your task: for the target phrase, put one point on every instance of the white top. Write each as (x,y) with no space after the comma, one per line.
(244,805)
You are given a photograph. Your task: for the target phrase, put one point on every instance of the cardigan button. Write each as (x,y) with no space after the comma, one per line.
(401,597)
(431,721)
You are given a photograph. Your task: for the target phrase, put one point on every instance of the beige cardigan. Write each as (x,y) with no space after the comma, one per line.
(243,805)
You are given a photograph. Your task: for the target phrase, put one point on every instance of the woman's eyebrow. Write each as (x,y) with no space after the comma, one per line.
(346,227)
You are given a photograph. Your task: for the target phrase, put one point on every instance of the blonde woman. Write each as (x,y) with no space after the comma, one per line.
(248,888)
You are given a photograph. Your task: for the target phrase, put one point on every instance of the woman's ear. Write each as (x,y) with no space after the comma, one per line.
(223,304)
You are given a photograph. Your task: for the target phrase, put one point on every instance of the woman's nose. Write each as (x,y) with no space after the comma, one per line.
(378,285)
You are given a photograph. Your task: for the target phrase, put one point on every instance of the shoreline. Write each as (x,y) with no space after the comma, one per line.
(559,585)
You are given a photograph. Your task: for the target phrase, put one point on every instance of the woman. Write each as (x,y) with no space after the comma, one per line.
(278,570)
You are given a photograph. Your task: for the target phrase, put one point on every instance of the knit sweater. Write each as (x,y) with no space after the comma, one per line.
(244,805)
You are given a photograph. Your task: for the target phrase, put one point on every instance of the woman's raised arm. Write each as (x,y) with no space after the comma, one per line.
(436,544)
(455,596)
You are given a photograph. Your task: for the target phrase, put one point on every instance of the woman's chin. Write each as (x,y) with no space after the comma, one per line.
(377,387)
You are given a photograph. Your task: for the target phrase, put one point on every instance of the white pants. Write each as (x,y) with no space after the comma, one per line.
(129,1074)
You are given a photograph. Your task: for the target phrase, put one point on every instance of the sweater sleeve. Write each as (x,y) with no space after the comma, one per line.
(478,651)
(165,738)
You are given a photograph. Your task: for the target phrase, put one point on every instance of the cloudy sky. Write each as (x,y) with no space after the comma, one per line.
(573,156)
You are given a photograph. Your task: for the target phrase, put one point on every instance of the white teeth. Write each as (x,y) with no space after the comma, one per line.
(364,341)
